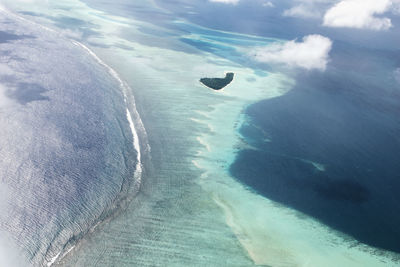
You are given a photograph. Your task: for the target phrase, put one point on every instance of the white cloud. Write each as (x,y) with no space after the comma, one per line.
(9,253)
(307,8)
(361,14)
(268,4)
(396,74)
(302,11)
(311,53)
(234,2)
(4,100)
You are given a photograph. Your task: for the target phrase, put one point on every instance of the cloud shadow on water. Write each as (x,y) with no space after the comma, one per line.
(6,37)
(26,93)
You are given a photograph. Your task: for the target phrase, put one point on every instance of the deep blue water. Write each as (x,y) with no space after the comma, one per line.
(348,119)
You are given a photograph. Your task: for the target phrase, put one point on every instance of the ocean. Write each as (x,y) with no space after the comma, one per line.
(283,167)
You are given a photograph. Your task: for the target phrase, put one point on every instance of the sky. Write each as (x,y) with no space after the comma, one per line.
(352,17)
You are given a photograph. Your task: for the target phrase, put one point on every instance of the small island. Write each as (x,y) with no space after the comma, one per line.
(218,83)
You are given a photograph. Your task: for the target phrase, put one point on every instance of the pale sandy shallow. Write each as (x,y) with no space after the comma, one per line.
(269,234)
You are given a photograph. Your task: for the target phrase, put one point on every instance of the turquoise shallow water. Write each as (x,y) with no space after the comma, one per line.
(190,210)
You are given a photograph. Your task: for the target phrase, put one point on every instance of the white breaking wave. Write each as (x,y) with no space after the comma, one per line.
(126,88)
(136,142)
(53,260)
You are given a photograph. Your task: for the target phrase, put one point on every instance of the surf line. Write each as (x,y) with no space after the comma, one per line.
(137,176)
(136,142)
(126,88)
